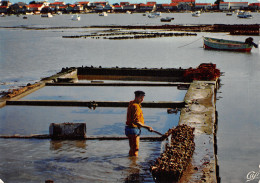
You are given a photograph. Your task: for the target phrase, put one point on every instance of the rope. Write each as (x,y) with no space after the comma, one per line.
(190,43)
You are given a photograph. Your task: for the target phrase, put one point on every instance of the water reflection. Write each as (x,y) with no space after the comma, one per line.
(94,93)
(133,171)
(23,161)
(61,144)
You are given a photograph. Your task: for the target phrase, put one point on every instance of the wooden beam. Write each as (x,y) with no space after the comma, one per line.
(177,104)
(124,138)
(2,103)
(46,136)
(120,84)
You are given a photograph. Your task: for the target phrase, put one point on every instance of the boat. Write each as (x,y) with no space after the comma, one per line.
(238,11)
(25,17)
(229,14)
(75,18)
(167,19)
(228,45)
(146,13)
(48,15)
(2,15)
(128,12)
(244,15)
(196,14)
(154,15)
(103,14)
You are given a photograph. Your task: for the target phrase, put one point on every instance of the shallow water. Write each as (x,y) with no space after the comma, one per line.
(100,93)
(74,161)
(25,120)
(28,55)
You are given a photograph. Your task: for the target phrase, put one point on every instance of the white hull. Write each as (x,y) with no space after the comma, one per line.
(196,14)
(75,18)
(104,14)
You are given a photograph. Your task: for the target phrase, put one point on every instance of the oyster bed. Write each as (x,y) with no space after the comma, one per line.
(176,157)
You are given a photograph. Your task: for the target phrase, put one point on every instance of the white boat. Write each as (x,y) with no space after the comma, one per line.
(48,15)
(2,15)
(75,18)
(128,12)
(196,14)
(229,14)
(154,15)
(103,14)
(238,11)
(244,15)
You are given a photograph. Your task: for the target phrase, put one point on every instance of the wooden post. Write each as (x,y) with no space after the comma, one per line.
(49,181)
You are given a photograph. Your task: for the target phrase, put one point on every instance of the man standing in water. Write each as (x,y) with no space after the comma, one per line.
(134,122)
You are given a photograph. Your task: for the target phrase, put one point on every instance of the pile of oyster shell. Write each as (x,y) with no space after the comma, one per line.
(176,157)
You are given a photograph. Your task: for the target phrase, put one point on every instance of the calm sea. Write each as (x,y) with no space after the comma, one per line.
(28,55)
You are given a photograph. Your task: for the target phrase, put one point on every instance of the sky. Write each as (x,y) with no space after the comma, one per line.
(133,1)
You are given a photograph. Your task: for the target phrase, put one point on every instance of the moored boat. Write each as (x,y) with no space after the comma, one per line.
(196,14)
(229,14)
(244,15)
(48,15)
(167,19)
(75,18)
(103,14)
(228,45)
(154,15)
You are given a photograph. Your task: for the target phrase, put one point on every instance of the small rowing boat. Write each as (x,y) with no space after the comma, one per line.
(167,19)
(47,15)
(103,14)
(196,14)
(75,18)
(244,15)
(228,45)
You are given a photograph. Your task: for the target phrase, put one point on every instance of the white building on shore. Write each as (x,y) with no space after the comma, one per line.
(204,6)
(238,5)
(233,5)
